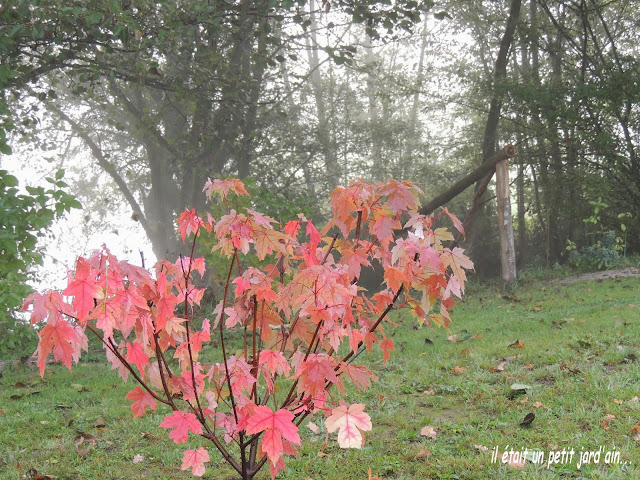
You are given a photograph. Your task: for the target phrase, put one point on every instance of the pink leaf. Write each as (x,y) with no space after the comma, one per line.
(276,426)
(188,223)
(349,420)
(182,423)
(195,459)
(84,289)
(136,355)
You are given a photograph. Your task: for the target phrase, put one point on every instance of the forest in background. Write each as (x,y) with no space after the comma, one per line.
(141,101)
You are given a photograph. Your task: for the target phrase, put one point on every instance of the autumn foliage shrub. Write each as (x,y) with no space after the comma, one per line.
(302,316)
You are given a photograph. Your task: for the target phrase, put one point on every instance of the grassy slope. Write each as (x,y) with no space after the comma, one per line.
(583,371)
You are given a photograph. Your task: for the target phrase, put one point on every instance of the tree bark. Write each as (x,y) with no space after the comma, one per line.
(487,168)
(505,224)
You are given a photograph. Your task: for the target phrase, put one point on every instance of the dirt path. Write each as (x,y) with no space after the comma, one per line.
(622,272)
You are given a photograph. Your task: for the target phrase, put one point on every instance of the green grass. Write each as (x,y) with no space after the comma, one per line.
(584,368)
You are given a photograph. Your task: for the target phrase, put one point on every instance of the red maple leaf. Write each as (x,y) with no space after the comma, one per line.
(166,304)
(188,222)
(456,222)
(314,372)
(274,362)
(182,423)
(386,345)
(276,426)
(61,337)
(195,459)
(84,289)
(292,227)
(136,355)
(383,223)
(142,400)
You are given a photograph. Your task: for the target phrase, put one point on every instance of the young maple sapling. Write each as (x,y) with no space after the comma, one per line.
(294,312)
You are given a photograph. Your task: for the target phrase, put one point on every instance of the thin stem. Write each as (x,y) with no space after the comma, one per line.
(224,351)
(254,369)
(114,349)
(186,316)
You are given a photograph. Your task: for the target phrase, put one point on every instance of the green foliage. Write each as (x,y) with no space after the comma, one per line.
(606,246)
(23,217)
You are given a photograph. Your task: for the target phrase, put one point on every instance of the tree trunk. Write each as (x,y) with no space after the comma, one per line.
(505,224)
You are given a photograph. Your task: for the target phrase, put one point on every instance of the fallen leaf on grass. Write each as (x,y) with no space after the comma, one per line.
(517,343)
(100,423)
(481,448)
(500,367)
(148,435)
(524,400)
(528,419)
(636,428)
(429,431)
(88,443)
(459,338)
(423,454)
(457,370)
(540,405)
(634,400)
(536,309)
(313,427)
(604,424)
(138,458)
(16,396)
(585,426)
(321,453)
(608,416)
(465,351)
(616,401)
(429,393)
(519,388)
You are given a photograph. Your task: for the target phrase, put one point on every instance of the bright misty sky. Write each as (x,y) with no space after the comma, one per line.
(69,237)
